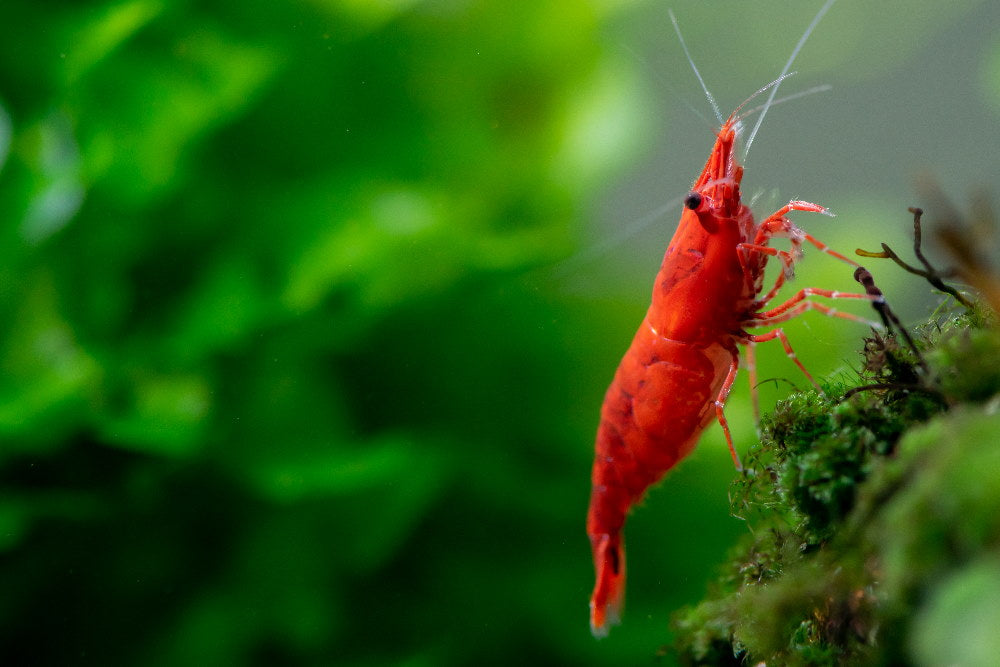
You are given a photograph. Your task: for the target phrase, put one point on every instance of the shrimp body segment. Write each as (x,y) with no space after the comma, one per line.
(675,376)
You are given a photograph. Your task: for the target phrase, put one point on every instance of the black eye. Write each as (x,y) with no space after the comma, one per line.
(693,201)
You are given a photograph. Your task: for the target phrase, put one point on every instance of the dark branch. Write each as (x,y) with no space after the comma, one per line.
(889,385)
(863,276)
(932,275)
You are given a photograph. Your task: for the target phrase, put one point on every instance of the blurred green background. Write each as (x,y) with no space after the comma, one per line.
(308,307)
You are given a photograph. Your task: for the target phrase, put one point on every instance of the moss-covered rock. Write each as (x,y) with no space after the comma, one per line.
(874,520)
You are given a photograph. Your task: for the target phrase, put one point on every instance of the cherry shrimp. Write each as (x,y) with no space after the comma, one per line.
(677,373)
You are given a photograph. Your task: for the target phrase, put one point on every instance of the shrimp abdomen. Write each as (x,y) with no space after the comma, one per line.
(658,404)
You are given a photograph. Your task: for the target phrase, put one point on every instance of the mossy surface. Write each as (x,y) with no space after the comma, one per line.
(873,516)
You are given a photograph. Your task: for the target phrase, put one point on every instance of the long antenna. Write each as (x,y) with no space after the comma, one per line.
(711,100)
(787,98)
(774,91)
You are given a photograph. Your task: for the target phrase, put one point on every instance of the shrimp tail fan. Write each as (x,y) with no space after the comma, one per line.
(609,591)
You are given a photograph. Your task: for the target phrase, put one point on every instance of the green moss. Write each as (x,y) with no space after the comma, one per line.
(968,365)
(705,635)
(866,514)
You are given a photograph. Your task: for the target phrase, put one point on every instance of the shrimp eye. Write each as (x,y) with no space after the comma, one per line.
(693,201)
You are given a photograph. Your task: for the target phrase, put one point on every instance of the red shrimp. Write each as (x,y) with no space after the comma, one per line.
(678,371)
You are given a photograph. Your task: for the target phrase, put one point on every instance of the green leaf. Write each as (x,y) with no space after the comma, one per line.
(96,34)
(162,414)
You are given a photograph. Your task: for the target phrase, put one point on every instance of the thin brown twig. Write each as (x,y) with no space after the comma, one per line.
(864,276)
(881,306)
(889,385)
(932,275)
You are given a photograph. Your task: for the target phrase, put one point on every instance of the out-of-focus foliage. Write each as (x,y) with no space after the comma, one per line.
(259,389)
